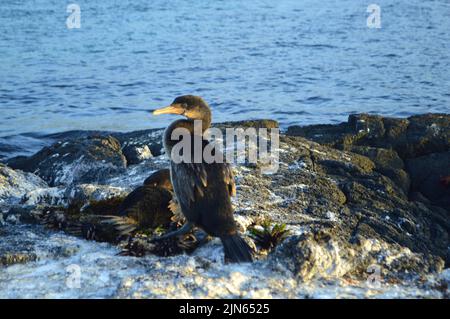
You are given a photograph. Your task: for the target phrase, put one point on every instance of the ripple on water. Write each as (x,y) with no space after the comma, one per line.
(299,63)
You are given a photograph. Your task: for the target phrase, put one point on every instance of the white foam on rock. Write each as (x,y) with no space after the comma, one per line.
(103,274)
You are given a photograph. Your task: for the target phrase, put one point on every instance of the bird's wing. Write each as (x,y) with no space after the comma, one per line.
(229,179)
(192,179)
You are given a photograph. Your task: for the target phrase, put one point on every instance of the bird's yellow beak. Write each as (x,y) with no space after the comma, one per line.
(171,109)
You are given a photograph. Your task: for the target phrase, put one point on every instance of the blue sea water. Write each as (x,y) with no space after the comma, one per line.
(296,61)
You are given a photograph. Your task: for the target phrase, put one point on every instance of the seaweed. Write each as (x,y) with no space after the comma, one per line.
(268,235)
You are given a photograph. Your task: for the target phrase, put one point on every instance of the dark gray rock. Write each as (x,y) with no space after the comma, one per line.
(24,214)
(152,139)
(389,143)
(89,159)
(427,172)
(412,137)
(387,162)
(136,154)
(15,183)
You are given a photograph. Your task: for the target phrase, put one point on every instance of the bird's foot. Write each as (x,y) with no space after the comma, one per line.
(179,232)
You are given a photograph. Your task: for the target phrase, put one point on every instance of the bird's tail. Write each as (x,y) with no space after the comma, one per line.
(236,249)
(123,226)
(103,228)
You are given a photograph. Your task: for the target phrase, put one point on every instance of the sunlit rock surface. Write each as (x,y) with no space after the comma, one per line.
(15,183)
(83,160)
(68,267)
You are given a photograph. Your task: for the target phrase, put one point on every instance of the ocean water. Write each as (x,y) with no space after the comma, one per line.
(299,62)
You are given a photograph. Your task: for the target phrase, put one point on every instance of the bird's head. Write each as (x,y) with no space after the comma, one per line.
(191,106)
(160,178)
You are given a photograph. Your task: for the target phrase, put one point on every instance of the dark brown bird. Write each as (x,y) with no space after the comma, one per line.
(147,206)
(203,188)
(160,178)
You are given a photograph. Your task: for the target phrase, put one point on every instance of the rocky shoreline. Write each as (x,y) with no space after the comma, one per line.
(366,197)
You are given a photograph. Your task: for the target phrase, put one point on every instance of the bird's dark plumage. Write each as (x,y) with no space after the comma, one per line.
(203,189)
(148,205)
(145,207)
(160,178)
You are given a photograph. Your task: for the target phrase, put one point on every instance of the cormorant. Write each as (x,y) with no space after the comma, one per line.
(203,189)
(147,206)
(147,202)
(160,178)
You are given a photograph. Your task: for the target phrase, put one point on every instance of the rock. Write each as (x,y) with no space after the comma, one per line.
(45,196)
(151,139)
(426,173)
(344,193)
(315,182)
(320,254)
(389,143)
(23,214)
(21,244)
(426,134)
(136,174)
(412,137)
(15,183)
(136,154)
(388,163)
(90,159)
(15,248)
(257,124)
(84,193)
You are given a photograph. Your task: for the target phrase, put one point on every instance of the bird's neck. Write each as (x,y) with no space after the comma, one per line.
(194,127)
(206,121)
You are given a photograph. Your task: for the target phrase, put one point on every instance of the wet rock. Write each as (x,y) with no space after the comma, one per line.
(151,139)
(22,244)
(257,124)
(15,249)
(45,196)
(136,174)
(84,193)
(412,137)
(345,200)
(62,196)
(136,154)
(15,183)
(85,160)
(23,214)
